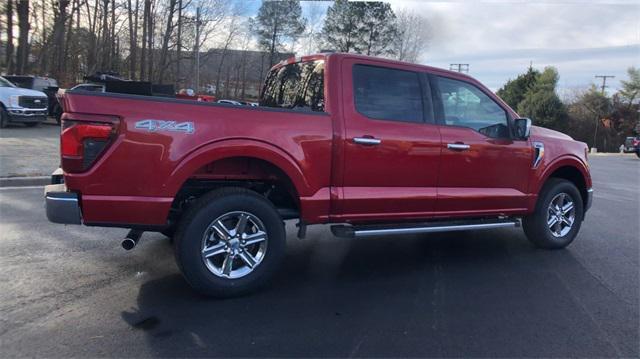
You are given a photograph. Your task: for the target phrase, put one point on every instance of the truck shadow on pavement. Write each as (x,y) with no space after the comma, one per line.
(473,294)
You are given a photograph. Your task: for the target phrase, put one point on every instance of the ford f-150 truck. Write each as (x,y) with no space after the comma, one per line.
(19,105)
(372,146)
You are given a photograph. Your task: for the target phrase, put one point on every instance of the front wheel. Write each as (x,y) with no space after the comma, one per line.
(230,242)
(557,217)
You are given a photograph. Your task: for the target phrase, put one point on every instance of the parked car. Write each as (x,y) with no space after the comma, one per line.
(19,105)
(88,87)
(371,146)
(189,94)
(629,144)
(636,145)
(246,103)
(39,83)
(230,102)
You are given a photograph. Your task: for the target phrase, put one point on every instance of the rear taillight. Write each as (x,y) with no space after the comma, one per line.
(81,143)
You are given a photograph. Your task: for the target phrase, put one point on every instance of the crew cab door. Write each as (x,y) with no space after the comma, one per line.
(391,147)
(482,170)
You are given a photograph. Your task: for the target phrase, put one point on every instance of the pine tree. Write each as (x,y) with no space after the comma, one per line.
(542,104)
(276,22)
(360,27)
(342,30)
(379,28)
(513,91)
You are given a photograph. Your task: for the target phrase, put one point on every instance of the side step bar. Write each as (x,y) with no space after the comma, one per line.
(347,231)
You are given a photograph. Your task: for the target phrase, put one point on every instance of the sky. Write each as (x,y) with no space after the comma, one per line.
(500,39)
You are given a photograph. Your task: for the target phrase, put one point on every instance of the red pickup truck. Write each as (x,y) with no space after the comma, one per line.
(369,145)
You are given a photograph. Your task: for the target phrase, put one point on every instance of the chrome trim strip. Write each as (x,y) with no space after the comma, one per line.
(538,147)
(414,230)
(62,199)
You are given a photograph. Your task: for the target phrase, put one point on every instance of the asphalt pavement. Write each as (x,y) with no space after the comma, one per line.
(72,291)
(29,151)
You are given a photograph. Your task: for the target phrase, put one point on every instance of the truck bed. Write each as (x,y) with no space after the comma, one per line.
(161,143)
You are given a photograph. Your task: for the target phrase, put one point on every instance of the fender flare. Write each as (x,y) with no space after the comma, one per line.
(238,147)
(563,161)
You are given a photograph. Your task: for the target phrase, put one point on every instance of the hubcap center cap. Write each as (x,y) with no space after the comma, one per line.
(234,244)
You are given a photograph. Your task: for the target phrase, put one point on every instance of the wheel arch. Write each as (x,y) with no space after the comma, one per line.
(570,169)
(238,148)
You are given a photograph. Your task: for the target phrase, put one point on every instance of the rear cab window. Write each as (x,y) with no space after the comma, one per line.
(298,86)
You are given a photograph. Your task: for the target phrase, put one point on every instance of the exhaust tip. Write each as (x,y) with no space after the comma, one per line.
(128,244)
(131,240)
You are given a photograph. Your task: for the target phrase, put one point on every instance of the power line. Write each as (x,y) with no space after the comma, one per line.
(459,68)
(604,81)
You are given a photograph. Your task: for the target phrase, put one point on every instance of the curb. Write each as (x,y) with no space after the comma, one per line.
(25,181)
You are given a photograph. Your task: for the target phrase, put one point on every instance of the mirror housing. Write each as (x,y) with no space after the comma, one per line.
(522,128)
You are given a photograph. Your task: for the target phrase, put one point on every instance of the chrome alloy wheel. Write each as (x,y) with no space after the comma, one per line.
(561,215)
(234,244)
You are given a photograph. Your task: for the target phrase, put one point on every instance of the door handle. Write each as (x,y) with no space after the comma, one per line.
(369,141)
(458,146)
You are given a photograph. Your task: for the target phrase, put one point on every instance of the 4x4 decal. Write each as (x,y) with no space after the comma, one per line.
(162,125)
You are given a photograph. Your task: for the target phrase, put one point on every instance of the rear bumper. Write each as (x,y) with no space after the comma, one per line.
(62,206)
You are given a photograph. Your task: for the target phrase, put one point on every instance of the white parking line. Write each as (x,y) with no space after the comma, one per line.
(20,187)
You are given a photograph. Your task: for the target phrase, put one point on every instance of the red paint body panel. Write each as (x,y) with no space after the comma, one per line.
(491,175)
(399,175)
(410,176)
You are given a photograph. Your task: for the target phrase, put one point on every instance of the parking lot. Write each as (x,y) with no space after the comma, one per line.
(72,291)
(29,151)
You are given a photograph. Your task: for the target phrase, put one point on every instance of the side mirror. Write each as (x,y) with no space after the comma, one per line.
(522,128)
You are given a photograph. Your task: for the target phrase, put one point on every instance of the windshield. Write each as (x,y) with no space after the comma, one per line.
(5,83)
(25,82)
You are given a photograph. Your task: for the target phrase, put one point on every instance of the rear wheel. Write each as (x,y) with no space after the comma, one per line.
(230,242)
(32,124)
(557,217)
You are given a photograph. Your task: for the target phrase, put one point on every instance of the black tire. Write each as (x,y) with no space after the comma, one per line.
(4,117)
(169,232)
(189,238)
(57,113)
(638,153)
(32,124)
(535,225)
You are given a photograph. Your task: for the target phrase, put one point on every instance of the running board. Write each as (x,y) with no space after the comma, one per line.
(347,231)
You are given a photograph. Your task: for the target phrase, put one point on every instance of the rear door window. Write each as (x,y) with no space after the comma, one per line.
(387,94)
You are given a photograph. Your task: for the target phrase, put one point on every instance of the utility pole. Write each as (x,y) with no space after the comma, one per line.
(459,68)
(198,24)
(179,46)
(604,81)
